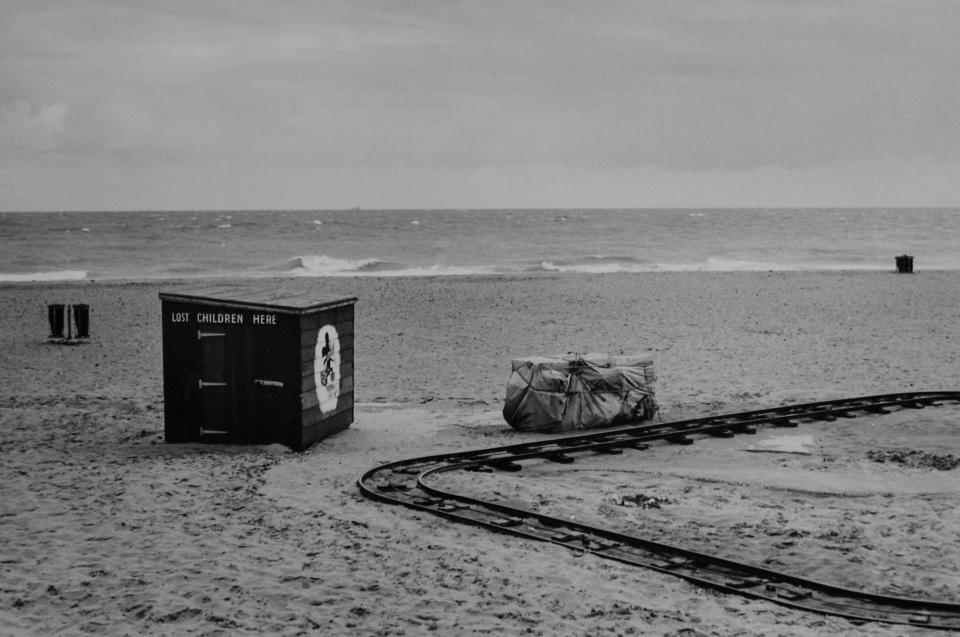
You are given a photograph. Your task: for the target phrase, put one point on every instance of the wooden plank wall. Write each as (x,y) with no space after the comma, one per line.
(253,414)
(316,424)
(269,414)
(181,371)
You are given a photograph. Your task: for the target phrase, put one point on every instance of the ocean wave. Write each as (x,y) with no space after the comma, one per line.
(612,265)
(59,275)
(722,264)
(185,269)
(597,264)
(438,269)
(323,265)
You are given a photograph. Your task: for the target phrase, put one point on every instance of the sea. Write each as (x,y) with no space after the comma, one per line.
(141,245)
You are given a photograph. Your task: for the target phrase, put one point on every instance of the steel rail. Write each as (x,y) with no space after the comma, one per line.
(407,482)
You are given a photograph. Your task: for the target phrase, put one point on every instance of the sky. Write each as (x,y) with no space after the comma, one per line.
(314,104)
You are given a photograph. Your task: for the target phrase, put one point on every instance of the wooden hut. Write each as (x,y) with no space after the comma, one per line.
(256,365)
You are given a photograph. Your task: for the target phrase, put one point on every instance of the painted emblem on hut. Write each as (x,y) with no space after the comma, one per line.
(326,368)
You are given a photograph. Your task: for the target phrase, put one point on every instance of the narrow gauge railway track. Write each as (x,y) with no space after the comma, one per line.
(406,482)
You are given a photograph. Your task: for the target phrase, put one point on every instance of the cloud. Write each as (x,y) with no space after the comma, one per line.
(561,92)
(143,132)
(32,128)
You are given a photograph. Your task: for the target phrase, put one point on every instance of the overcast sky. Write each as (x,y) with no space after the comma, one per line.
(233,104)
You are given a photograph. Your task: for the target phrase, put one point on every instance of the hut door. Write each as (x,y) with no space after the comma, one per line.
(270,394)
(217,418)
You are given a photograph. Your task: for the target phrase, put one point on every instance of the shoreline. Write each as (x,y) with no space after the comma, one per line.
(273,277)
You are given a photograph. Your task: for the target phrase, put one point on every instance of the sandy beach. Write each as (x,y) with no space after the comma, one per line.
(105,529)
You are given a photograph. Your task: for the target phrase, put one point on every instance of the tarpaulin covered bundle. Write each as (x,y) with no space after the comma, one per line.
(579,392)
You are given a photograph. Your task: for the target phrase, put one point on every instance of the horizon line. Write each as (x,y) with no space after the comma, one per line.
(462,209)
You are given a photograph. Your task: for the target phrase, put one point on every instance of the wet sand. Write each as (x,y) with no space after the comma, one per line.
(104,529)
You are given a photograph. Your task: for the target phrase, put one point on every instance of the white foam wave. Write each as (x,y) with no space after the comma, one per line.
(60,275)
(711,264)
(599,267)
(436,270)
(323,265)
(719,264)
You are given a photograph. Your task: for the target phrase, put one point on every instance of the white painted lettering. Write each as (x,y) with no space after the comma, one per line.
(219,318)
(179,317)
(264,319)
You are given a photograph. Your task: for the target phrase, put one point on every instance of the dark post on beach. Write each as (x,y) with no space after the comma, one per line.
(904,264)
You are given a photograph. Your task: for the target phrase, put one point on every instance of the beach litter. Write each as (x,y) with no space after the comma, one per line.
(642,501)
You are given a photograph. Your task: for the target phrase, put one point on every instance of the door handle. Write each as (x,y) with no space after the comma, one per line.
(267,383)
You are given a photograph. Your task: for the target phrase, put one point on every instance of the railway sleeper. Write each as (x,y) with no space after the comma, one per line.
(724,432)
(612,451)
(393,486)
(504,464)
(507,522)
(746,582)
(479,468)
(844,414)
(450,507)
(784,422)
(788,592)
(427,502)
(674,563)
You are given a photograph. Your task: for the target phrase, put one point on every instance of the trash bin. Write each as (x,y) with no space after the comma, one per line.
(254,365)
(904,264)
(55,312)
(81,319)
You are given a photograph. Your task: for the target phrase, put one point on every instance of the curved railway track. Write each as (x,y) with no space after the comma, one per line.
(406,482)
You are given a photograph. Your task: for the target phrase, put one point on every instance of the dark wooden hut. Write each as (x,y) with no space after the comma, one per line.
(256,365)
